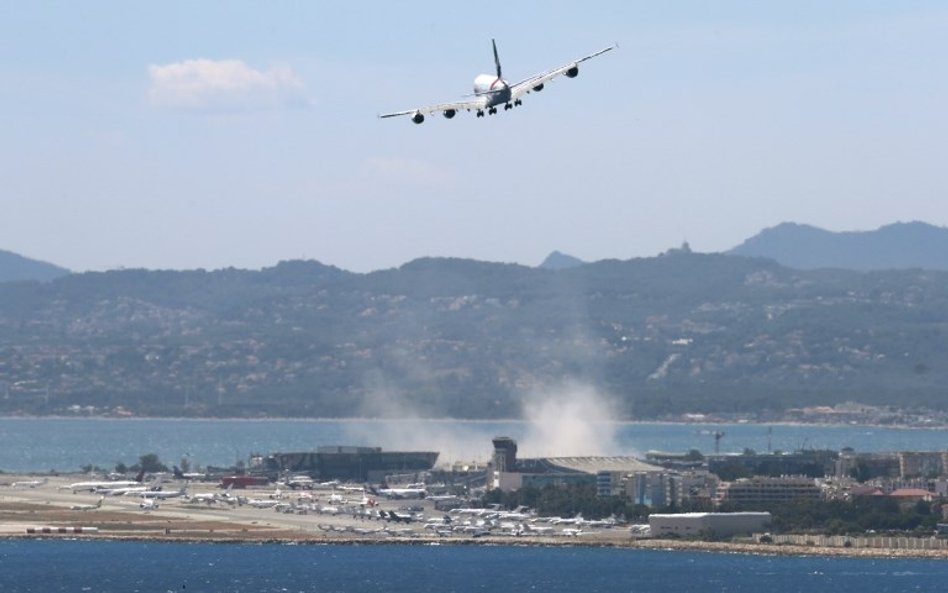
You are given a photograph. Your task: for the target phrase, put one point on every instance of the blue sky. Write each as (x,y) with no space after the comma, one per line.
(204,134)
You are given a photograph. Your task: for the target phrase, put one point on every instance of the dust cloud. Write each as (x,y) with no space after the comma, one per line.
(567,420)
(398,424)
(563,420)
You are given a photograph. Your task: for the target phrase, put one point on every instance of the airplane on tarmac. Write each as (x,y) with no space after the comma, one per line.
(412,491)
(538,529)
(398,517)
(29,483)
(94,485)
(87,507)
(153,486)
(148,504)
(577,520)
(261,503)
(182,475)
(163,495)
(491,91)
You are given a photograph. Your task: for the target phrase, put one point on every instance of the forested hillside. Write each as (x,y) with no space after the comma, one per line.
(682,332)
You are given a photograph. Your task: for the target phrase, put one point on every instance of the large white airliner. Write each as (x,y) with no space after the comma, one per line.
(491,91)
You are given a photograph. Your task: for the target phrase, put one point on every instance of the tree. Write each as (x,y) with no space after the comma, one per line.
(150,463)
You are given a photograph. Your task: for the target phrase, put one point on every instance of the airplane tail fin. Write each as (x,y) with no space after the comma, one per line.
(178,474)
(496,58)
(140,476)
(500,76)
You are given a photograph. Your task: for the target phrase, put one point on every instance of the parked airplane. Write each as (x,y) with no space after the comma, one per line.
(182,475)
(29,483)
(398,517)
(300,481)
(261,503)
(577,520)
(412,491)
(94,485)
(490,91)
(541,530)
(148,504)
(153,486)
(162,495)
(87,507)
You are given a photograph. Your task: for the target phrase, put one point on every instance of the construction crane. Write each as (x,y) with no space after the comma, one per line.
(718,435)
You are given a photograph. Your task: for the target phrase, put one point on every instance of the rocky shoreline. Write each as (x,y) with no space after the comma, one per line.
(237,537)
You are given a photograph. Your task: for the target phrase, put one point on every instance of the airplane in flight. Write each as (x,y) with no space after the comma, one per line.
(492,91)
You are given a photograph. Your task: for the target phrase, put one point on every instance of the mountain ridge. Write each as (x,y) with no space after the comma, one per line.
(17,268)
(901,245)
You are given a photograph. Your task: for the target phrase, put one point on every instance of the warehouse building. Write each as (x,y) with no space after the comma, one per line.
(707,525)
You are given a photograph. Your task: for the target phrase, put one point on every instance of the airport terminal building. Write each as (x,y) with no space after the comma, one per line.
(609,474)
(351,464)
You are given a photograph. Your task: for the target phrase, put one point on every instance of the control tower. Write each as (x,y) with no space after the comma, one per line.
(505,454)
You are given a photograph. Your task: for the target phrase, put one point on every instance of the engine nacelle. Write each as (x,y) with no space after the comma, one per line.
(449,113)
(418,117)
(538,88)
(572,72)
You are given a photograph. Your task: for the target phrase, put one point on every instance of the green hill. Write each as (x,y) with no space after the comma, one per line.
(682,332)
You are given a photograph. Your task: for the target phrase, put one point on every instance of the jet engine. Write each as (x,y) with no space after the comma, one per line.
(449,113)
(418,117)
(538,88)
(572,72)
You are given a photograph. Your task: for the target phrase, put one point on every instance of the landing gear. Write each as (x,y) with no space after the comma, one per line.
(507,106)
(480,113)
(492,111)
(518,102)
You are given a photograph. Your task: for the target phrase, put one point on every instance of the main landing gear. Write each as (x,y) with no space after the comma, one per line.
(493,110)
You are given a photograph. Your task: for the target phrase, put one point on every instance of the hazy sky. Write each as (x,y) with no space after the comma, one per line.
(205,134)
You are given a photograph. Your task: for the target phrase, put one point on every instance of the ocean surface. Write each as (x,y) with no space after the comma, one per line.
(80,566)
(67,444)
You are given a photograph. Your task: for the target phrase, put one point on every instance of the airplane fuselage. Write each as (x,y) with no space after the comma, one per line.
(494,90)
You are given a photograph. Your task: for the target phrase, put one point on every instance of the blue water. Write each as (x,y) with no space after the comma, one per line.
(66,444)
(48,565)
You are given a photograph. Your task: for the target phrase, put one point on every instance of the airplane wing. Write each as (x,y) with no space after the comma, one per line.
(445,108)
(537,81)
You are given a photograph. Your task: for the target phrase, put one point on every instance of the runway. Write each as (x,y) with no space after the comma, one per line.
(52,504)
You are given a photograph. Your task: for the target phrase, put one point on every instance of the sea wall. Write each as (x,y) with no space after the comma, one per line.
(874,541)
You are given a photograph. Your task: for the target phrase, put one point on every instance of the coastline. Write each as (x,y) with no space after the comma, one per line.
(289,538)
(53,505)
(318,419)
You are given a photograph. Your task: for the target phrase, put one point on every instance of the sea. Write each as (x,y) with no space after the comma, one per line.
(68,444)
(102,566)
